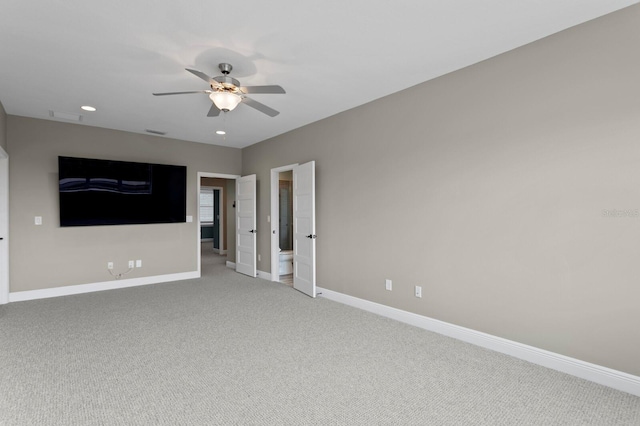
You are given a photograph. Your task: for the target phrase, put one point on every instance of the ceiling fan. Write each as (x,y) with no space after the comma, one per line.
(226,92)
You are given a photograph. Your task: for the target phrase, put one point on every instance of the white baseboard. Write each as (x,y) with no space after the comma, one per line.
(45,293)
(602,375)
(264,275)
(260,274)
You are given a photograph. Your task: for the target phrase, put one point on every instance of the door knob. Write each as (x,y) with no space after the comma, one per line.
(312,236)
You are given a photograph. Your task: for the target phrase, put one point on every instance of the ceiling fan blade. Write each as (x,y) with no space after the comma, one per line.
(205,77)
(213,111)
(201,75)
(182,93)
(260,107)
(274,89)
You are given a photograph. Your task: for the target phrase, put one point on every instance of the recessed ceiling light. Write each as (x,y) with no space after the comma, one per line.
(221,132)
(88,108)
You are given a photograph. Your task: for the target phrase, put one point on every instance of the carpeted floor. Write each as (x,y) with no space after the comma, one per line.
(228,349)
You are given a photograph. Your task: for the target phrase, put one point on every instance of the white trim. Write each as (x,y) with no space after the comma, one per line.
(264,275)
(231,265)
(45,293)
(4,227)
(602,375)
(198,176)
(275,214)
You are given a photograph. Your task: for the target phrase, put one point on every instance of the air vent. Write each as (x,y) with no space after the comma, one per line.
(65,116)
(155,132)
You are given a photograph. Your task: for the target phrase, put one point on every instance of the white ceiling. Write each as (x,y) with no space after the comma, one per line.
(330,56)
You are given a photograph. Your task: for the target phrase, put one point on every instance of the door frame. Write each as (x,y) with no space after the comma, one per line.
(4,227)
(198,244)
(275,215)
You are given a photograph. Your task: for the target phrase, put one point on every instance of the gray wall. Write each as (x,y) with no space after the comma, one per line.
(50,256)
(3,127)
(487,188)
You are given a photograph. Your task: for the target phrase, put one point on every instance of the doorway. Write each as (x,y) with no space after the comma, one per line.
(303,256)
(213,204)
(285,227)
(282,224)
(215,217)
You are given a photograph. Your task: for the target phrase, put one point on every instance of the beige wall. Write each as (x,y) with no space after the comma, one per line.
(3,128)
(487,188)
(50,256)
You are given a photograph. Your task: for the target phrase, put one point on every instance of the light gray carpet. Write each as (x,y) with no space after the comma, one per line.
(227,349)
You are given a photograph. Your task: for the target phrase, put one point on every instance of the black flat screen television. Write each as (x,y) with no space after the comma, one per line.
(104,192)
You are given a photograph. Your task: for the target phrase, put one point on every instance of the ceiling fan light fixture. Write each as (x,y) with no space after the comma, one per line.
(225,101)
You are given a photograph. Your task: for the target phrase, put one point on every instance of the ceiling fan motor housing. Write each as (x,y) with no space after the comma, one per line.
(229,83)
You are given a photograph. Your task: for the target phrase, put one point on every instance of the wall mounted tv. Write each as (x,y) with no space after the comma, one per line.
(103,192)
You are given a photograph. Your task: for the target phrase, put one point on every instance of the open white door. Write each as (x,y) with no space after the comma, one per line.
(304,228)
(4,227)
(246,225)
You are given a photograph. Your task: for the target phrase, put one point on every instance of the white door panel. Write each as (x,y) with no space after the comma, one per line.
(304,229)
(246,225)
(4,227)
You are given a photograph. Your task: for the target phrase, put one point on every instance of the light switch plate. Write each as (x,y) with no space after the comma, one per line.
(38,220)
(189,218)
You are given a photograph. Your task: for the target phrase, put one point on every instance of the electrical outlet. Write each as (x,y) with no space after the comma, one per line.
(138,263)
(388,285)
(132,264)
(418,291)
(109,265)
